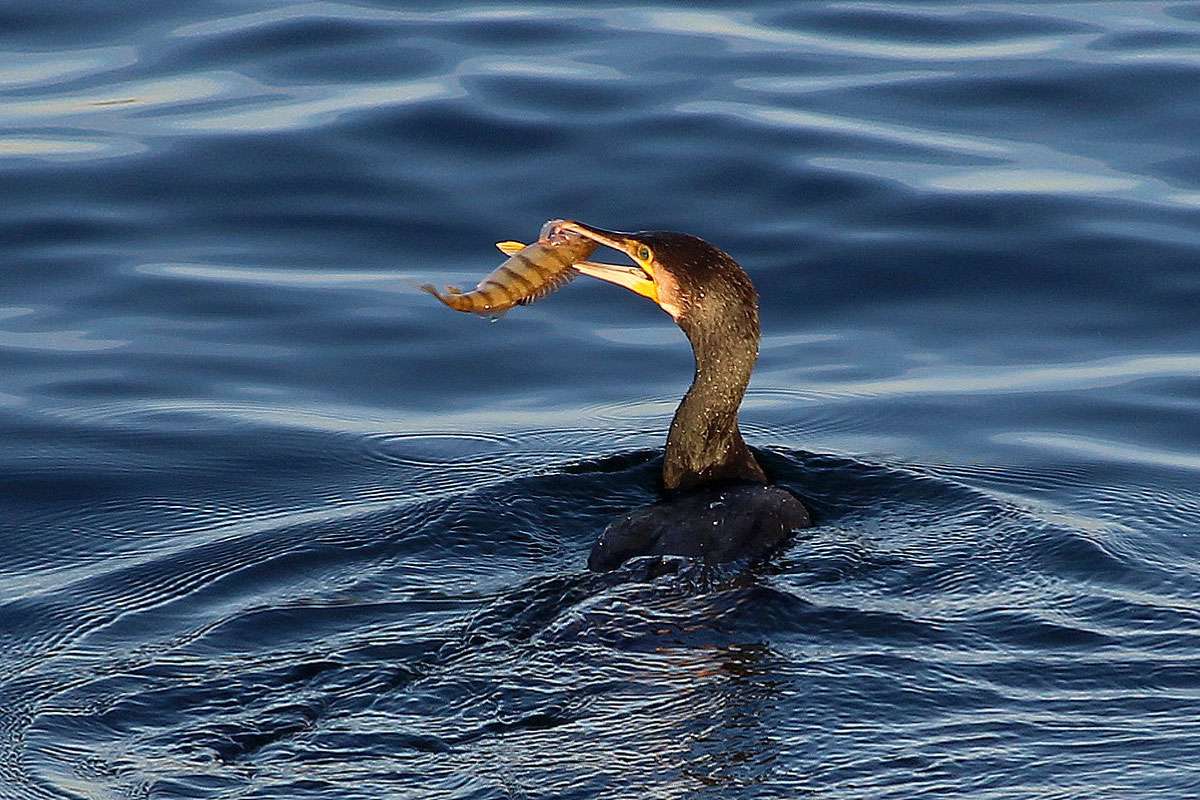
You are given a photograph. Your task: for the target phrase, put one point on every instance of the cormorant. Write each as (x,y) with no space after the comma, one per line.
(718,506)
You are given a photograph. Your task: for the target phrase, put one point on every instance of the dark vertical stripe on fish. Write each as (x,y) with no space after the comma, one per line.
(529,285)
(544,274)
(509,297)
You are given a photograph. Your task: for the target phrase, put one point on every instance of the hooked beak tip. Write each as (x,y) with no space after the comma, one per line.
(614,239)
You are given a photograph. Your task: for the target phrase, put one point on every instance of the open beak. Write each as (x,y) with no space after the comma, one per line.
(639,279)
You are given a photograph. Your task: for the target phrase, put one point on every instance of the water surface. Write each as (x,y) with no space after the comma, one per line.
(277,525)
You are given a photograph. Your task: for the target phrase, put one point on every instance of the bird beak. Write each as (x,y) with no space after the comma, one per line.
(639,279)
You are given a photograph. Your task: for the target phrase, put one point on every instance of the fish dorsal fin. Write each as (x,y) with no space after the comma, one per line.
(510,248)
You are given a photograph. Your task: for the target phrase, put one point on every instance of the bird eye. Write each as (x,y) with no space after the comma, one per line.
(644,253)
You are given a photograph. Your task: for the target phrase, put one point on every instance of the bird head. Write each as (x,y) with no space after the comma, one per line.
(699,285)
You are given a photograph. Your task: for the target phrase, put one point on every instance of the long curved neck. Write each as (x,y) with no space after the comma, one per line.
(704,445)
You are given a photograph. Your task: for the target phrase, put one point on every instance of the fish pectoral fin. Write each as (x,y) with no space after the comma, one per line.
(510,248)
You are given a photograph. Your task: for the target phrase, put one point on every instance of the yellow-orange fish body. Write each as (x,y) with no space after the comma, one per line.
(530,273)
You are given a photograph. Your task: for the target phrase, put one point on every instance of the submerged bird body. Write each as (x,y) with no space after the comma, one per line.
(715,524)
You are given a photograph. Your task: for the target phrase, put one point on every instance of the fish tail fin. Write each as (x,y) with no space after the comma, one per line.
(452,297)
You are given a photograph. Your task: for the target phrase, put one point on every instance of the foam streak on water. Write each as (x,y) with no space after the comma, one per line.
(276,525)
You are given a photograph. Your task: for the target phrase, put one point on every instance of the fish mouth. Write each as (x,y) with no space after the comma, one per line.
(638,278)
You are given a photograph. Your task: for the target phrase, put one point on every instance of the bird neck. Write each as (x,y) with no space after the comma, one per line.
(704,445)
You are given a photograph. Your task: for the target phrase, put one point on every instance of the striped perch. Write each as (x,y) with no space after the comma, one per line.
(531,272)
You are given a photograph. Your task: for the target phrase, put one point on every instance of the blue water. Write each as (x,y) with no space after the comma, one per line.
(277,525)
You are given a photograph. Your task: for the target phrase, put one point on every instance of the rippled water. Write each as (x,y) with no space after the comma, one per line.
(277,525)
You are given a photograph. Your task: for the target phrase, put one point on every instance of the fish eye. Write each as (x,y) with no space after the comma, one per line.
(644,253)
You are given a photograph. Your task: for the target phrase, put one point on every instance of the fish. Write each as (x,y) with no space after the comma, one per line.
(531,272)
